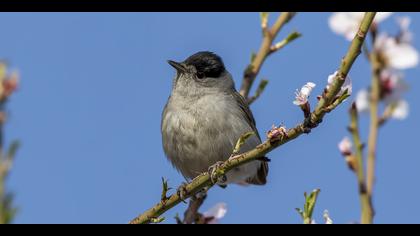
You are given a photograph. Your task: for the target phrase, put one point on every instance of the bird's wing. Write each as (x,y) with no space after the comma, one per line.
(261,177)
(247,112)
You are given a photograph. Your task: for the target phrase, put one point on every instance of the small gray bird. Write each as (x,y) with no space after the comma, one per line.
(204,118)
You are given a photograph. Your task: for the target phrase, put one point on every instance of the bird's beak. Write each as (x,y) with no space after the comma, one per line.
(180,68)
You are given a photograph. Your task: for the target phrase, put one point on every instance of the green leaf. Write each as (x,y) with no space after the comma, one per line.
(310,202)
(7,210)
(261,87)
(264,18)
(14,146)
(292,36)
(241,142)
(178,219)
(253,56)
(157,220)
(165,189)
(300,211)
(259,91)
(309,206)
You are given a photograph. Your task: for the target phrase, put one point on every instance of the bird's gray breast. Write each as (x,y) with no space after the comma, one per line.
(198,132)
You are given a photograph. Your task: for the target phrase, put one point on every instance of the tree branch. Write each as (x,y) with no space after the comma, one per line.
(265,50)
(273,142)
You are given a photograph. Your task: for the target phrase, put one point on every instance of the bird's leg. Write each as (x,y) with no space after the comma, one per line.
(213,172)
(202,193)
(182,192)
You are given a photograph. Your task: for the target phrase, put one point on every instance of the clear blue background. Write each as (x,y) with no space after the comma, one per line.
(93,88)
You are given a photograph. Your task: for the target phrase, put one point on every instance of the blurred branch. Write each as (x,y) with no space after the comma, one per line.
(374,125)
(389,110)
(276,137)
(8,84)
(266,48)
(365,201)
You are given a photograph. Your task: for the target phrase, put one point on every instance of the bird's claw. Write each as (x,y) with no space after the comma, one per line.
(182,192)
(213,172)
(202,193)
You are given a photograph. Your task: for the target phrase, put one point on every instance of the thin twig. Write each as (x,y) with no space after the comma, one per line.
(253,69)
(204,180)
(389,110)
(260,90)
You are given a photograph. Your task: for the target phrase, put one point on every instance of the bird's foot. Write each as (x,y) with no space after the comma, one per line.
(214,172)
(223,186)
(182,192)
(202,193)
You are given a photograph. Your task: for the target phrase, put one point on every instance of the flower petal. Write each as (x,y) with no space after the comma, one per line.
(345,146)
(402,56)
(303,94)
(343,24)
(404,22)
(346,86)
(327,218)
(401,111)
(381,16)
(217,212)
(347,23)
(362,101)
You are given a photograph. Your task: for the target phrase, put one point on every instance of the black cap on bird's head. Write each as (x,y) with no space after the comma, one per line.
(206,63)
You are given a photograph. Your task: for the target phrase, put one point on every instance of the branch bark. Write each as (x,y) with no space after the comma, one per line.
(204,179)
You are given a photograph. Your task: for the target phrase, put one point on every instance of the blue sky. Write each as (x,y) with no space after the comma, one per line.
(93,88)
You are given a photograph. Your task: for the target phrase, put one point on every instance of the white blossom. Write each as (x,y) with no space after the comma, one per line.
(303,94)
(398,54)
(398,51)
(327,218)
(347,23)
(401,110)
(346,86)
(406,36)
(217,212)
(363,100)
(345,146)
(392,87)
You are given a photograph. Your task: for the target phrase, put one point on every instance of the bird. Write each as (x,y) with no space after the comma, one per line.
(203,119)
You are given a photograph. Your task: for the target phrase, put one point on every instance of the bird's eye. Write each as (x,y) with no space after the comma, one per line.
(200,75)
